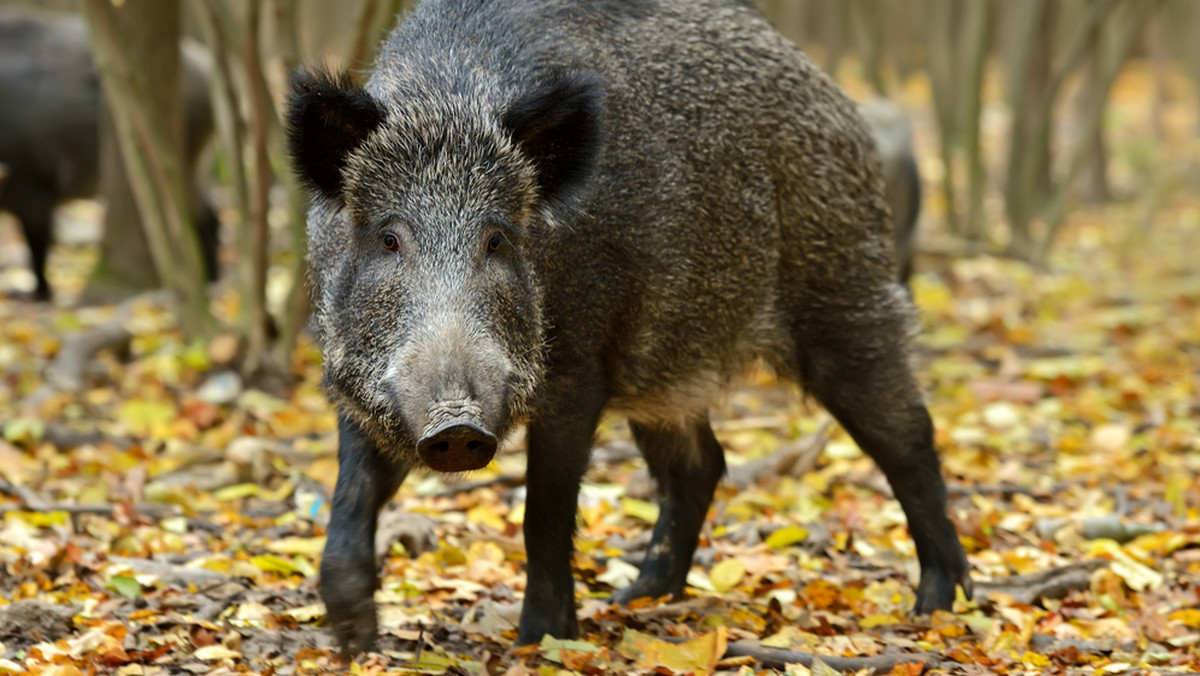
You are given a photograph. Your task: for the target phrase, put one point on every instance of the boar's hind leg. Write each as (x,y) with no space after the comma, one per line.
(560,443)
(862,377)
(367,479)
(37,224)
(687,464)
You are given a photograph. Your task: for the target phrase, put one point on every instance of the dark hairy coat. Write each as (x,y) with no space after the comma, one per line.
(537,210)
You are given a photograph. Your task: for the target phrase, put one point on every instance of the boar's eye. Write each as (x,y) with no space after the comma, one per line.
(494,243)
(391,242)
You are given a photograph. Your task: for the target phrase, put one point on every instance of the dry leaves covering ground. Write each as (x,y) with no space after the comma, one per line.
(167,519)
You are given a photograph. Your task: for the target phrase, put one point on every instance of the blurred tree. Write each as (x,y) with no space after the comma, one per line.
(149,237)
(249,39)
(251,138)
(1105,30)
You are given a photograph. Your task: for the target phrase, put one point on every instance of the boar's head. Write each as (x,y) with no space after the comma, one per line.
(422,232)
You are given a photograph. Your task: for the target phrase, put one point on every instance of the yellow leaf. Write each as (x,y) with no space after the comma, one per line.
(791,637)
(726,574)
(297,545)
(787,536)
(1137,576)
(879,620)
(236,492)
(1188,617)
(281,493)
(639,509)
(485,515)
(216,652)
(699,655)
(275,564)
(323,470)
(141,416)
(306,613)
(174,524)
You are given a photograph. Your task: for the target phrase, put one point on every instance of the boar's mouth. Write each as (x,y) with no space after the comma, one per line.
(456,439)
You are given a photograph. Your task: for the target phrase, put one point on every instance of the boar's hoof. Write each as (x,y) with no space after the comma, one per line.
(457,446)
(940,579)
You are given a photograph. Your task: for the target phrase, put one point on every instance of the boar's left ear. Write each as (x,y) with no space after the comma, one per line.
(327,118)
(557,125)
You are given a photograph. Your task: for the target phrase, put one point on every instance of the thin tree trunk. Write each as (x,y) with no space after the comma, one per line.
(151,155)
(939,41)
(1029,170)
(1093,183)
(1124,36)
(254,290)
(126,265)
(872,40)
(974,56)
(1029,15)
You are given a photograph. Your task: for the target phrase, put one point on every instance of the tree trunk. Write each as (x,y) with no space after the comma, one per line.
(126,265)
(1094,183)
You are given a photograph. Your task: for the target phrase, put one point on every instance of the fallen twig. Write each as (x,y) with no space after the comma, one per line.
(794,459)
(63,437)
(24,496)
(169,574)
(1005,490)
(1047,644)
(68,371)
(676,609)
(779,658)
(1047,584)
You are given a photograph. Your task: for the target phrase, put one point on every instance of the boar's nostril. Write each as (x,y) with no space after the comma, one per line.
(457,447)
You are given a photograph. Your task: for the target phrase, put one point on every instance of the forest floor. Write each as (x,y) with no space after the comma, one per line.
(163,518)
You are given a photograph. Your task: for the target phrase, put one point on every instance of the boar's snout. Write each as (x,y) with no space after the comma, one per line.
(456,441)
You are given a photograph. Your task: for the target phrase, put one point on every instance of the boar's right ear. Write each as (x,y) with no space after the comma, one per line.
(557,125)
(327,118)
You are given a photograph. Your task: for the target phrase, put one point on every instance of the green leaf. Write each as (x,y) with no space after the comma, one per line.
(24,431)
(126,586)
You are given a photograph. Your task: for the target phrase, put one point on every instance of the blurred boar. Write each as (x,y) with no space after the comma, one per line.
(49,126)
(901,178)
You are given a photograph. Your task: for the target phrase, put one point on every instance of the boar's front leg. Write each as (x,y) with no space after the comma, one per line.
(560,444)
(367,479)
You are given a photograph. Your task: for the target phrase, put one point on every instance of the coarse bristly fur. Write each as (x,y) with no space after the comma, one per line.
(574,205)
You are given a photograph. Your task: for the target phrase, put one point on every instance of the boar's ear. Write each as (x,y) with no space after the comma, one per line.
(557,125)
(327,118)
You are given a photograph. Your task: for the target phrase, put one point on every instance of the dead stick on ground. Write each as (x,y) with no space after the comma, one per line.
(1047,584)
(25,496)
(1052,583)
(793,460)
(778,658)
(67,372)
